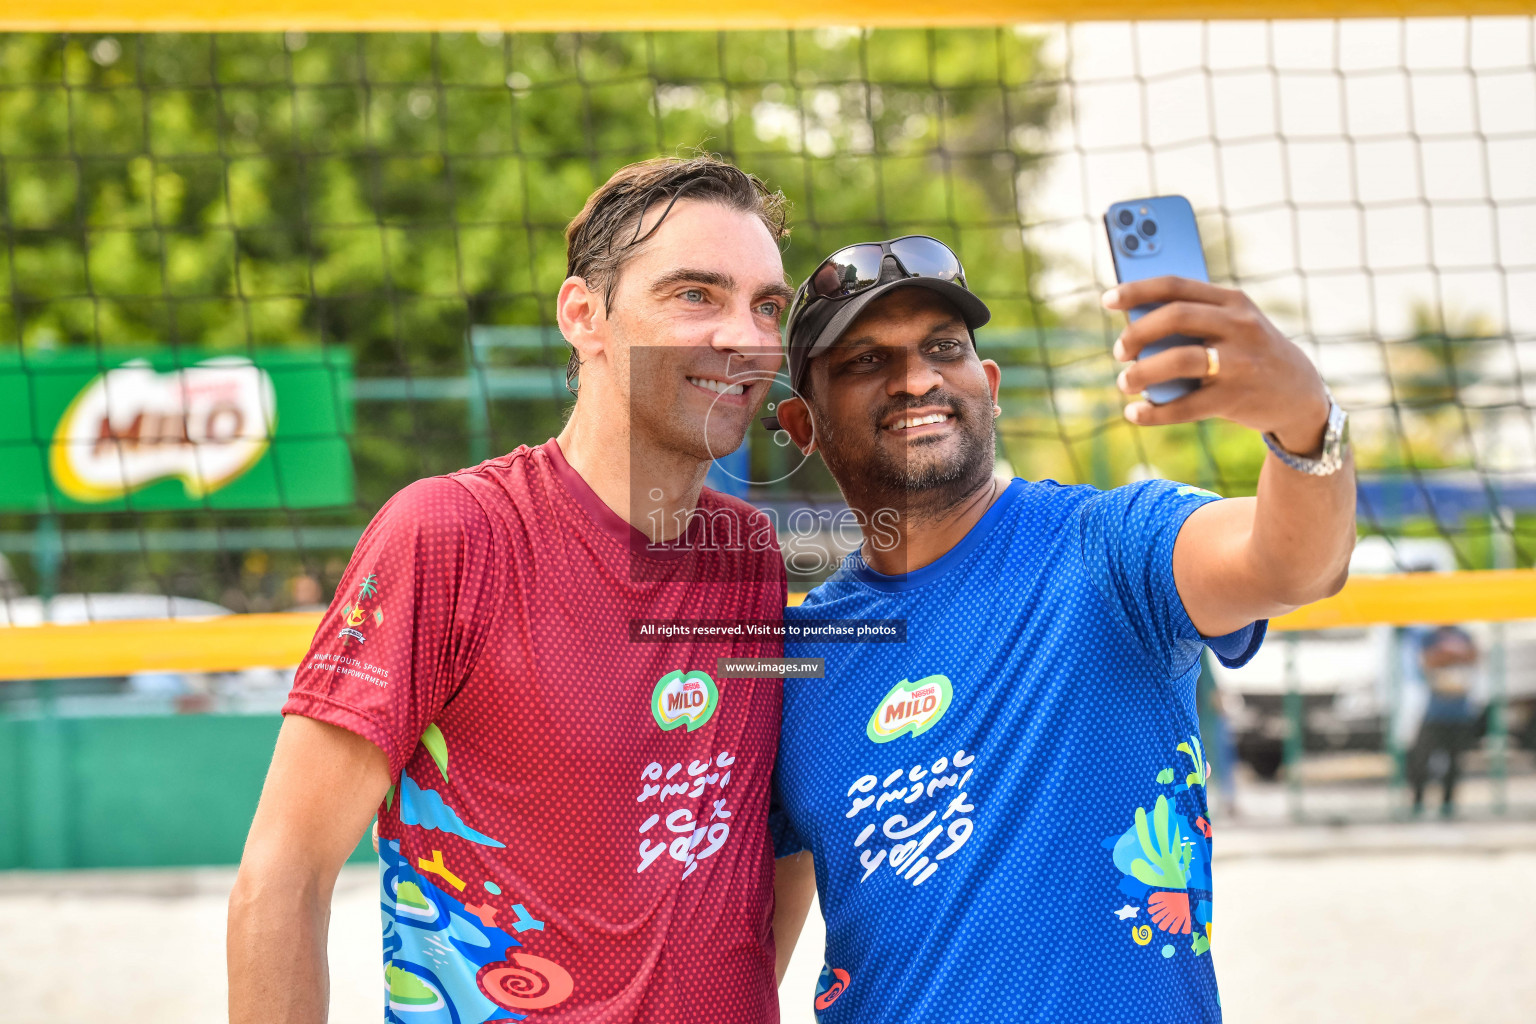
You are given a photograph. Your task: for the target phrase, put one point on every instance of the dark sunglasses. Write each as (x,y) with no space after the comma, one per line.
(855,268)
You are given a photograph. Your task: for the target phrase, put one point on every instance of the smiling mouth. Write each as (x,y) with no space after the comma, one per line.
(719,387)
(908,422)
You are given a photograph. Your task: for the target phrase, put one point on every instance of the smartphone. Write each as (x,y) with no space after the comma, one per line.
(1157,237)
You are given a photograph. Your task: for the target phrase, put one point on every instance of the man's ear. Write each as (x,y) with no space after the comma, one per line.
(579,312)
(795,417)
(994,377)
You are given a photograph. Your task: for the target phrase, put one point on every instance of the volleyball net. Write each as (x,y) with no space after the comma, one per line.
(262,268)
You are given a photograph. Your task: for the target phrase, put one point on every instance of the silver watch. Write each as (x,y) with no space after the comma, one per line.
(1335,443)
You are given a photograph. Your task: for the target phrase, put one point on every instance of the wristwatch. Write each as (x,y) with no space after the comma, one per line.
(1335,443)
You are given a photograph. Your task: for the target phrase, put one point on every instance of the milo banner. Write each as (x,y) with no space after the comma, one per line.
(174,429)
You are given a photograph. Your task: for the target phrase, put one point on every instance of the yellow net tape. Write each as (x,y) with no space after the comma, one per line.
(280,640)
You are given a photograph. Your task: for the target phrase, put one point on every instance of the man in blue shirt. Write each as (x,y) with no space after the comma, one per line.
(1444,662)
(1005,815)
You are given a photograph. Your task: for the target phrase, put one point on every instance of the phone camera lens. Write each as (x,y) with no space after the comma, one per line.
(1131,243)
(1149,227)
(1125,217)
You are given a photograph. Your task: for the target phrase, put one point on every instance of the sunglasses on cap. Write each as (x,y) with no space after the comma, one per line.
(856,268)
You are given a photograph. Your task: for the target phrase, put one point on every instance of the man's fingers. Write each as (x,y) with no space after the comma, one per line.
(1191,319)
(1202,403)
(1167,289)
(1176,362)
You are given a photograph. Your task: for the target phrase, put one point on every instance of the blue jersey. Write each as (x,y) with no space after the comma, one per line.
(1008,811)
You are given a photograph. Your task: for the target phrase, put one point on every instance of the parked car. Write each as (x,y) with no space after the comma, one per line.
(73,609)
(1344,678)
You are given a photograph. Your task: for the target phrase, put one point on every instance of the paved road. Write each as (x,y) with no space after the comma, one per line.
(1392,925)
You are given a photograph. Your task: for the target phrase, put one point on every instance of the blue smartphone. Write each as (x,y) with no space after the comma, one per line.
(1154,238)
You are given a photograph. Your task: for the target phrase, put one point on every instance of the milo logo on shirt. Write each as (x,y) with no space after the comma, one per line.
(910,709)
(684,698)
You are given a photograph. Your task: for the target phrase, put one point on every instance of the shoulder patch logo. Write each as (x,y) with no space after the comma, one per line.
(684,698)
(357,614)
(910,709)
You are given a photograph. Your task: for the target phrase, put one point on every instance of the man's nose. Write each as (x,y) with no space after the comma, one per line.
(741,334)
(913,376)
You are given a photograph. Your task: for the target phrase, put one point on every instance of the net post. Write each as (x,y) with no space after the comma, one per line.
(477,401)
(1498,729)
(1395,750)
(47,555)
(1295,724)
(1498,699)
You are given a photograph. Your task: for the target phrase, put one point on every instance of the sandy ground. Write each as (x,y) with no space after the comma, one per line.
(1406,925)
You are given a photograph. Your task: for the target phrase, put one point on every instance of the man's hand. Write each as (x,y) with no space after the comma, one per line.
(1247,558)
(1265,381)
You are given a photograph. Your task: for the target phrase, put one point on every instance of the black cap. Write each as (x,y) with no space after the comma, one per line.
(823,322)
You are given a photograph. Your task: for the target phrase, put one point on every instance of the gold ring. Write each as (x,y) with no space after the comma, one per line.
(1212,362)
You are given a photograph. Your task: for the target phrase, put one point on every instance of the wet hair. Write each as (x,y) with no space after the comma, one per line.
(605,235)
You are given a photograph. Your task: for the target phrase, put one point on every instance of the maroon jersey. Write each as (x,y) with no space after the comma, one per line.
(577,830)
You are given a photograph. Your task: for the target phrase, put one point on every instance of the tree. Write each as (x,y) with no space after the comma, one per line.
(384,192)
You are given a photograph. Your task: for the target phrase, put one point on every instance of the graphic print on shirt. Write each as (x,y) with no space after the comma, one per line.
(904,839)
(913,844)
(358,612)
(832,983)
(512,583)
(1164,858)
(688,833)
(909,709)
(684,698)
(447,960)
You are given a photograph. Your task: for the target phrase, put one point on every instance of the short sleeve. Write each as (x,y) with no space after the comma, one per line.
(1128,536)
(401,632)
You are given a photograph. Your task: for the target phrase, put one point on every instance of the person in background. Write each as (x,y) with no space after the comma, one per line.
(1447,662)
(305,593)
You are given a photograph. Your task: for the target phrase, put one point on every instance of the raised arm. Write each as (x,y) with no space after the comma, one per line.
(1248,558)
(324,785)
(794,886)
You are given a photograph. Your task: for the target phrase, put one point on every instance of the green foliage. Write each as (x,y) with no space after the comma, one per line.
(384,192)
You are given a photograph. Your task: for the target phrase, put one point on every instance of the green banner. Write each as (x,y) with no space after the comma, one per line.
(175,429)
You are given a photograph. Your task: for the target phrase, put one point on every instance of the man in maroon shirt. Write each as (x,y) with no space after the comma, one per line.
(572,821)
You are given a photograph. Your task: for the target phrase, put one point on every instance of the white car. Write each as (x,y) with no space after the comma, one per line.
(74,609)
(1349,679)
